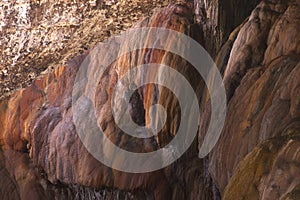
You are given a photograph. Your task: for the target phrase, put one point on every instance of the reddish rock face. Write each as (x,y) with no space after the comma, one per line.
(257,156)
(39,138)
(9,188)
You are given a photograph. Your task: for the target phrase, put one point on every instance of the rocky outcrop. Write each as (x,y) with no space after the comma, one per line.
(270,171)
(39,35)
(256,157)
(57,156)
(45,134)
(219,18)
(262,82)
(9,188)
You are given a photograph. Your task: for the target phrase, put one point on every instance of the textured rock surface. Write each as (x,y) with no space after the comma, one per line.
(46,132)
(36,35)
(219,17)
(262,81)
(279,157)
(57,156)
(257,156)
(25,181)
(9,188)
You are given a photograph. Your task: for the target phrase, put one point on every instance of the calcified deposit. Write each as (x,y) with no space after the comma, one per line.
(257,49)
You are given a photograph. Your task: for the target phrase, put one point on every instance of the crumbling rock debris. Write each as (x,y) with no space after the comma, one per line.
(37,35)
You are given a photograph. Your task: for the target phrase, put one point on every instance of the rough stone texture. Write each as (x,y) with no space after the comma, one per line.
(219,18)
(25,181)
(45,147)
(252,42)
(257,156)
(262,84)
(36,35)
(9,188)
(37,125)
(270,171)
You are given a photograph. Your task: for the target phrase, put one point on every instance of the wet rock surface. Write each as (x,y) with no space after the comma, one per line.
(256,157)
(47,137)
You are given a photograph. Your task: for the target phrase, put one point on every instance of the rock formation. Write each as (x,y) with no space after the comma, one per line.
(46,135)
(259,141)
(39,35)
(256,157)
(219,18)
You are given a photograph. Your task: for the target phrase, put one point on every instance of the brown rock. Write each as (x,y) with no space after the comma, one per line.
(256,157)
(38,121)
(270,171)
(261,82)
(219,18)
